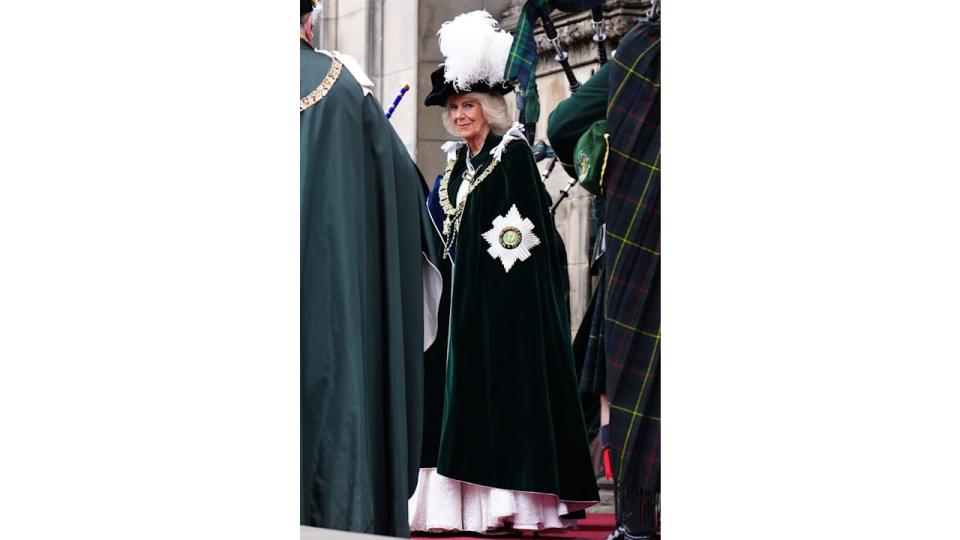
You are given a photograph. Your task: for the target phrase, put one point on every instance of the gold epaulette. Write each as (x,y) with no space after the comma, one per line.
(319,92)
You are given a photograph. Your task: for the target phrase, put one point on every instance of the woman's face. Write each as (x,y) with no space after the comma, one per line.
(467,116)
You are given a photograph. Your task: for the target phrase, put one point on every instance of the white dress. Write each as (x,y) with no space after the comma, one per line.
(442,504)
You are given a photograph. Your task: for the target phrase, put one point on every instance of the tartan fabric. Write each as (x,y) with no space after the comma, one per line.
(630,341)
(531,99)
(594,373)
(523,58)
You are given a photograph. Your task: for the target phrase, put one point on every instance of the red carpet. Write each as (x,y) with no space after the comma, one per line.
(594,527)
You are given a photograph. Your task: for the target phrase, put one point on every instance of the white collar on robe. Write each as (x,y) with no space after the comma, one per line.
(354,68)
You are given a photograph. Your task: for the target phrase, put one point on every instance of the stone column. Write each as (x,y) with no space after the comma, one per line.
(382,36)
(346,29)
(400,42)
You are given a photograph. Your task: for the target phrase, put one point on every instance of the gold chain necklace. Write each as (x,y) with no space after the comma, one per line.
(320,91)
(453,215)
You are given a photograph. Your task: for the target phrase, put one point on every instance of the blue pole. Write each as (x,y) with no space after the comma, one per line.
(396,100)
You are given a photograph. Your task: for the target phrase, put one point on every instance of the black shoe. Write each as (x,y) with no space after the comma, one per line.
(642,536)
(617,534)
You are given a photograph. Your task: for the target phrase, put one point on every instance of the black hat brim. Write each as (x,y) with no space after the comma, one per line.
(442,90)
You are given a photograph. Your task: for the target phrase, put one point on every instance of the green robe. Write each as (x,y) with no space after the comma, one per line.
(512,417)
(362,218)
(574,115)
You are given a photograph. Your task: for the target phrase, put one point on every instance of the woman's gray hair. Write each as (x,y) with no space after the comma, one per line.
(494,109)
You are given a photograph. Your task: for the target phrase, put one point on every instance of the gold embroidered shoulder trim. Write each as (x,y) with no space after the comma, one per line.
(319,92)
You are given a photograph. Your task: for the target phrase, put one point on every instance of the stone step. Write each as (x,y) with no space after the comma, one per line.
(606,506)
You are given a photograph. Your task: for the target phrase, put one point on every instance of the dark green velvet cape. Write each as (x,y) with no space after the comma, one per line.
(362,218)
(512,417)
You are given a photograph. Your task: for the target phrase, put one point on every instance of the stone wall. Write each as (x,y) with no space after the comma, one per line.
(382,36)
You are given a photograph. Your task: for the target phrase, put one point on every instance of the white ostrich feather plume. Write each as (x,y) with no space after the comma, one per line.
(475,50)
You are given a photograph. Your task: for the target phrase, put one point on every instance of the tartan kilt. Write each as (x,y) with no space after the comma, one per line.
(593,376)
(628,325)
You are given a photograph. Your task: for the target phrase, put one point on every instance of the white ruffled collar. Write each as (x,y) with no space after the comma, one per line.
(516,132)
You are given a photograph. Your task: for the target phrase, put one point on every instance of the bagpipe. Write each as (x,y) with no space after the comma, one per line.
(523,68)
(522,64)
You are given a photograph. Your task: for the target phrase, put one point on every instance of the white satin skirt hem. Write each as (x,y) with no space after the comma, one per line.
(442,504)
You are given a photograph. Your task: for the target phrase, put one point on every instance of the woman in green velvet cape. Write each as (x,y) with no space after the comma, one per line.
(512,451)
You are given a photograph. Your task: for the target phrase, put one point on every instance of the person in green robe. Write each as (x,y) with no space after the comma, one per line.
(574,115)
(512,451)
(368,301)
